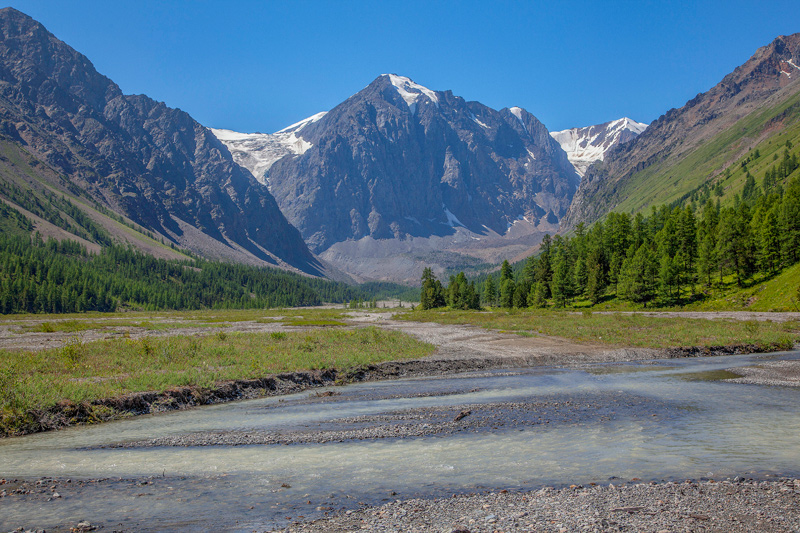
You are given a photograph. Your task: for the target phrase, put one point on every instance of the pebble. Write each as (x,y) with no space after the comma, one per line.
(743,506)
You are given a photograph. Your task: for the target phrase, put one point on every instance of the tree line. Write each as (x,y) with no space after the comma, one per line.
(670,256)
(38,276)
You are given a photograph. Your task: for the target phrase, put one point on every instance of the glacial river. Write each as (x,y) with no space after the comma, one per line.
(657,420)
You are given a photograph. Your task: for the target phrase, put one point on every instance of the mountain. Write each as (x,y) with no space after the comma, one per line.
(78,156)
(586,145)
(257,152)
(703,144)
(400,176)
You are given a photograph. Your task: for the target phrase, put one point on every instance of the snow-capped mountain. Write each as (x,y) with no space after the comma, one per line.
(586,145)
(398,159)
(257,152)
(764,87)
(399,173)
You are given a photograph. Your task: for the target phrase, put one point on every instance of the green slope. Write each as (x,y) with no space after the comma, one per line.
(775,294)
(671,180)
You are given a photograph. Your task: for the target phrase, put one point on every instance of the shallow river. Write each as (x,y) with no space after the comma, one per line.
(599,424)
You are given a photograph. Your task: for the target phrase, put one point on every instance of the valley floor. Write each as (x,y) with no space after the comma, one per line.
(761,504)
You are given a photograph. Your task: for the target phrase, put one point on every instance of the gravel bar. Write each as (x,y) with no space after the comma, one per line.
(656,507)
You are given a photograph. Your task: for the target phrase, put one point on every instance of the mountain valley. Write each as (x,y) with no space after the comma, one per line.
(486,183)
(396,178)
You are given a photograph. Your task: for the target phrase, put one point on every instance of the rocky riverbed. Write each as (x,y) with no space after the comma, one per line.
(390,456)
(780,373)
(460,418)
(731,505)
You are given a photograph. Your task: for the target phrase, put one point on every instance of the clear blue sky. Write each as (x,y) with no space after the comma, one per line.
(262,65)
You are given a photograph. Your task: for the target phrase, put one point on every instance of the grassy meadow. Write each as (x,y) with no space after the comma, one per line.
(84,371)
(621,329)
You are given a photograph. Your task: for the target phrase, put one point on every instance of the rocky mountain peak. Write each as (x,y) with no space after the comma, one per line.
(398,164)
(411,92)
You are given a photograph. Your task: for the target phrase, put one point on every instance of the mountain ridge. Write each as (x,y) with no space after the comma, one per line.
(473,173)
(132,155)
(636,174)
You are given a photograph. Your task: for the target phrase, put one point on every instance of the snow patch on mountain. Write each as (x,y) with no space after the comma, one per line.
(297,126)
(586,145)
(257,152)
(791,63)
(410,91)
(452,220)
(477,121)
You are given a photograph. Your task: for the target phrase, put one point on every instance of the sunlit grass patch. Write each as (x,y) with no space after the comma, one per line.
(623,329)
(85,371)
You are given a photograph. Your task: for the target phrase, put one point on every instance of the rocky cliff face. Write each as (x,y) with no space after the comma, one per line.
(398,159)
(767,78)
(138,157)
(398,164)
(586,145)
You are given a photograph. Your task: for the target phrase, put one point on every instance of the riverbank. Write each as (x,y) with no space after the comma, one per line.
(769,506)
(285,462)
(459,348)
(452,361)
(93,382)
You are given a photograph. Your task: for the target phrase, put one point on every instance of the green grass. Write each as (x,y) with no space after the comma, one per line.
(75,325)
(778,293)
(664,182)
(81,372)
(150,319)
(622,330)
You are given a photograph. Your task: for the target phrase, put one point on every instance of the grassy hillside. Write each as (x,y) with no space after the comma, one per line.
(718,160)
(38,199)
(774,294)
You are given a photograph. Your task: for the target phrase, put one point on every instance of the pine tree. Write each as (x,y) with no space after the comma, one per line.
(507,289)
(561,286)
(580,277)
(732,243)
(669,279)
(638,276)
(537,296)
(769,243)
(521,294)
(505,271)
(688,237)
(489,291)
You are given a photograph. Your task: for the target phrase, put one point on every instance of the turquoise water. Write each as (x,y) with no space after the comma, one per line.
(643,421)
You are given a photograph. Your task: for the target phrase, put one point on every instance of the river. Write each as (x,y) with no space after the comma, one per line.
(523,428)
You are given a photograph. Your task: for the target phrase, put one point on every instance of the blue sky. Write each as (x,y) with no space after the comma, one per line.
(260,66)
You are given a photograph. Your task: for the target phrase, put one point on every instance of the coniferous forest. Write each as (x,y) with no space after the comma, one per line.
(39,276)
(668,257)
